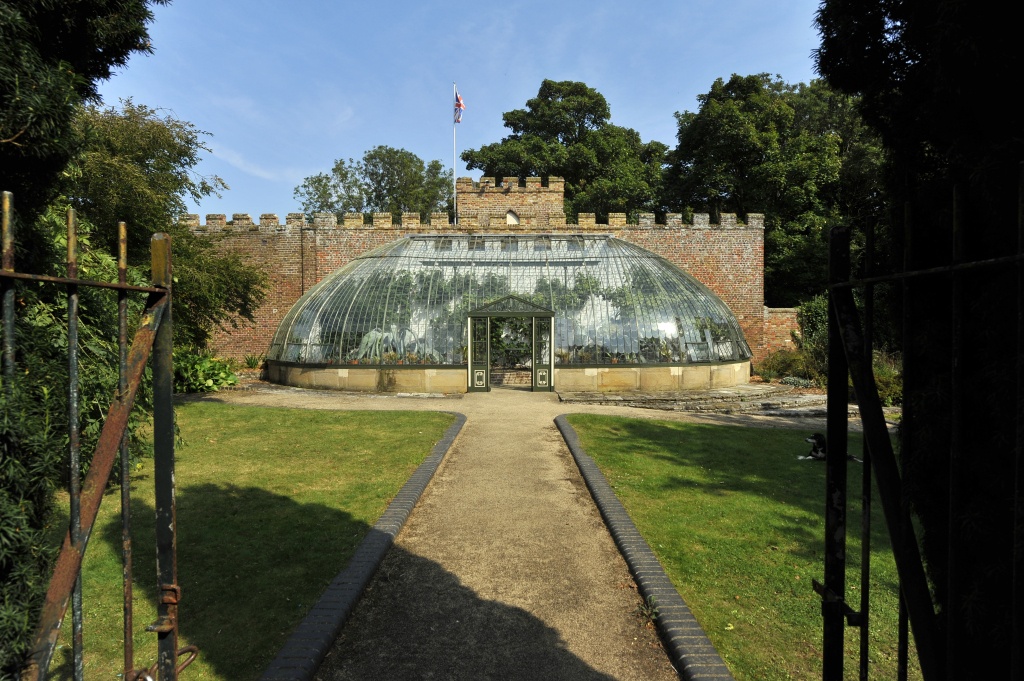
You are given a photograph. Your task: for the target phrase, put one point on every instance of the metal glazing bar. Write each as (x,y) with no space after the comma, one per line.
(74,442)
(887,476)
(126,498)
(7,289)
(833,592)
(69,561)
(166,626)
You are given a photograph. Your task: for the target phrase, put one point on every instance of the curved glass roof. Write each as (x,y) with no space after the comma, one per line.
(612,302)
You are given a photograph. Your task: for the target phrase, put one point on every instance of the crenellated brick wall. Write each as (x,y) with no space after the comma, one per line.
(728,258)
(537,203)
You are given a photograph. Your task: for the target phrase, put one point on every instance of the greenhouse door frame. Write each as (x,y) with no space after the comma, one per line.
(478,342)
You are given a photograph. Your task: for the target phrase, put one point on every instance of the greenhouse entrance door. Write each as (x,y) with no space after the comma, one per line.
(483,347)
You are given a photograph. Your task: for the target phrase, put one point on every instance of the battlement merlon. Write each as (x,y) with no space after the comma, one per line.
(269,222)
(552,185)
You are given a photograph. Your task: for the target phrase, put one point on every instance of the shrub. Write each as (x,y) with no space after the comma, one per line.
(254,361)
(30,452)
(812,316)
(789,364)
(888,370)
(197,371)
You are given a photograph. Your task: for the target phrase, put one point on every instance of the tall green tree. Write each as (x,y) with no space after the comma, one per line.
(138,166)
(565,131)
(54,54)
(797,153)
(386,180)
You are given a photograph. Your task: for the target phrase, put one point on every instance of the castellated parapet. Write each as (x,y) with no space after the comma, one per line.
(270,223)
(505,205)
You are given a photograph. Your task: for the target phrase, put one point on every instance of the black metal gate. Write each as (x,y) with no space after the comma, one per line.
(153,337)
(937,631)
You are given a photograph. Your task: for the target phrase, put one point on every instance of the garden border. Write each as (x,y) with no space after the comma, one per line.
(309,643)
(689,648)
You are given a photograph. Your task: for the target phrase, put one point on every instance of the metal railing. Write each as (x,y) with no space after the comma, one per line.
(152,341)
(851,349)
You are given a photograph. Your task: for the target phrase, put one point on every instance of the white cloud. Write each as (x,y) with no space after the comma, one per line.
(237,160)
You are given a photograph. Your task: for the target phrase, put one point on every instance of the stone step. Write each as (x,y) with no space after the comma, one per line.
(511,377)
(743,399)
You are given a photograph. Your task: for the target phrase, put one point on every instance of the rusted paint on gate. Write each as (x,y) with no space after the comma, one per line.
(94,284)
(69,562)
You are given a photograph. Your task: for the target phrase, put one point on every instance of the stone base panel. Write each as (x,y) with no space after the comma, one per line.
(359,379)
(658,378)
(568,379)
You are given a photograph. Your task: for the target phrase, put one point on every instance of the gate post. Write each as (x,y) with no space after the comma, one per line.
(834,592)
(166,626)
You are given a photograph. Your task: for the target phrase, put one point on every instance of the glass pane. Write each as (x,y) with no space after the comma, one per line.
(410,300)
(479,341)
(543,345)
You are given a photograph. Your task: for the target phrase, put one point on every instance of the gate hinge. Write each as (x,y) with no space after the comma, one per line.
(829,600)
(164,625)
(170,594)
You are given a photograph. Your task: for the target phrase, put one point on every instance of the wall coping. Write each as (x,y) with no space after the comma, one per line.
(270,222)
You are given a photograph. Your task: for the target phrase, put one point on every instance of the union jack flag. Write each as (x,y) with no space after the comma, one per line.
(460,106)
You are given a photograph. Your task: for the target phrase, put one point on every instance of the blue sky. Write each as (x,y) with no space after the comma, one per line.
(285,89)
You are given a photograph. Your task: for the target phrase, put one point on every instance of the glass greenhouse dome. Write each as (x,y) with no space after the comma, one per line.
(411,301)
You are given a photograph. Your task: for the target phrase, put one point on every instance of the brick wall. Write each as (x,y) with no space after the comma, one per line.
(779,325)
(727,258)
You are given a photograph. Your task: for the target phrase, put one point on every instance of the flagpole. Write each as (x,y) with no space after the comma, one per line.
(455,195)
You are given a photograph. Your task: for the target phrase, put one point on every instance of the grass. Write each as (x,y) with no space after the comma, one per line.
(737,522)
(271,503)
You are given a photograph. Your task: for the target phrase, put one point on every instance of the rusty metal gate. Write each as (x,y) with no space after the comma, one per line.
(851,344)
(152,338)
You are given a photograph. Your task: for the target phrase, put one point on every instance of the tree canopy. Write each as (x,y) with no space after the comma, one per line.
(386,180)
(797,153)
(138,166)
(53,55)
(565,131)
(929,75)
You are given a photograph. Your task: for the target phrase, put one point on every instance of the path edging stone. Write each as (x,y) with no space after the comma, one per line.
(304,651)
(689,648)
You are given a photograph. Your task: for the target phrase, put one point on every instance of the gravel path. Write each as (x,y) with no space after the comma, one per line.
(505,568)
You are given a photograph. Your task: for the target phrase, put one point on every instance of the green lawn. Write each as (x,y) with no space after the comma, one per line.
(737,522)
(271,504)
